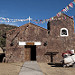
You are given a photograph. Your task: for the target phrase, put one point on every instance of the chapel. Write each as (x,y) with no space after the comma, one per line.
(30,42)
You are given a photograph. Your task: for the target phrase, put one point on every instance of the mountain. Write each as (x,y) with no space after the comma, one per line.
(3,29)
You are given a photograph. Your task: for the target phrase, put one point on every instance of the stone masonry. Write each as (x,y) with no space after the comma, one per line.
(50,39)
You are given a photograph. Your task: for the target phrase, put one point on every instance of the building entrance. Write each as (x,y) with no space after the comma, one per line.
(30,52)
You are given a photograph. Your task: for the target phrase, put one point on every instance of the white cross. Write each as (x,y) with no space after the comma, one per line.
(29,19)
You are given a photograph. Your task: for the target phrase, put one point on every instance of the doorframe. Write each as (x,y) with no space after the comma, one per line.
(30,47)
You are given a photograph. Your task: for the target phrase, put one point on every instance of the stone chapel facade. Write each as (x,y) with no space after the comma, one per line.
(31,42)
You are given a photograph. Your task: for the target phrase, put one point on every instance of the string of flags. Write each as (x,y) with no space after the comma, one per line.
(67,8)
(3,19)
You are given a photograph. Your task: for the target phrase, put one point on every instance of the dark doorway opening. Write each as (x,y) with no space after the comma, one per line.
(1,57)
(33,53)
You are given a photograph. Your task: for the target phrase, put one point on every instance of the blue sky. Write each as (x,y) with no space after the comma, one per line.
(37,9)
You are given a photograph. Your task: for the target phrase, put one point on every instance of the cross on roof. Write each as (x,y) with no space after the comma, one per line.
(29,19)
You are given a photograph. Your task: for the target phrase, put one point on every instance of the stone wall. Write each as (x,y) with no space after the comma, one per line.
(57,43)
(51,42)
(28,32)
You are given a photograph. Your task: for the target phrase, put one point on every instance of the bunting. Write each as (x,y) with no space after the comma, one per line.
(67,8)
(51,19)
(3,19)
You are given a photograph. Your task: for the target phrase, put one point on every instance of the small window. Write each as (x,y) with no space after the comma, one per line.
(64,32)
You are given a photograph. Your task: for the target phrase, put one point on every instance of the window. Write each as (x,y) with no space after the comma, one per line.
(64,32)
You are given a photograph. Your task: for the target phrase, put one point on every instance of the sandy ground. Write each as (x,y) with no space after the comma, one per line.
(49,70)
(14,69)
(10,68)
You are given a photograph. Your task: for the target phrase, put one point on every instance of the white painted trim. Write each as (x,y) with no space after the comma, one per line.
(22,43)
(61,32)
(37,43)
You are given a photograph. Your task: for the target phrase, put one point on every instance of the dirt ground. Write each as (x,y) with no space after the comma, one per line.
(10,68)
(49,70)
(14,69)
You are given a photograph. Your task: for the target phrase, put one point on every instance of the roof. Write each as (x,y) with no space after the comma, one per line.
(33,25)
(66,15)
(62,14)
(27,24)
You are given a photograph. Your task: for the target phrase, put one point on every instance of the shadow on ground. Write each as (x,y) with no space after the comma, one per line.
(55,64)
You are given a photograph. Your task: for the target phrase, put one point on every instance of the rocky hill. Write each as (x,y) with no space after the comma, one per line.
(3,29)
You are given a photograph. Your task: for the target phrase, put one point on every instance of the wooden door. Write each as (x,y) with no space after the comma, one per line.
(27,54)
